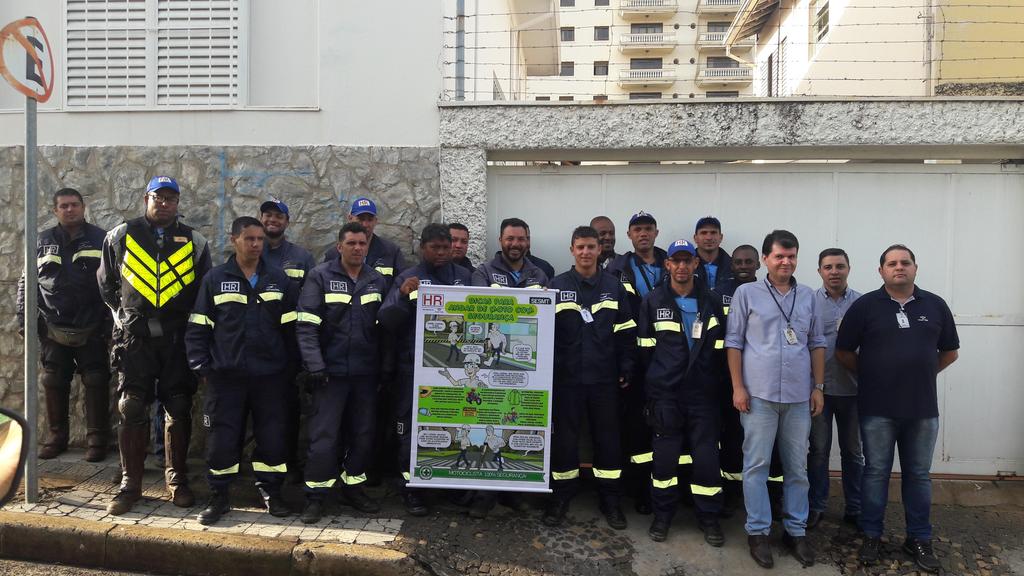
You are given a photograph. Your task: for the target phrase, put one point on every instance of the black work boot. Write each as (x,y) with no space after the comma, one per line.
(659,528)
(415,505)
(712,530)
(97,415)
(57,400)
(313,511)
(218,506)
(483,502)
(273,501)
(554,515)
(177,433)
(132,440)
(356,497)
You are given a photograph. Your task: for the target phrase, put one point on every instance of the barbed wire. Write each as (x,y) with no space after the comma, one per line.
(816,60)
(574,9)
(830,43)
(697,26)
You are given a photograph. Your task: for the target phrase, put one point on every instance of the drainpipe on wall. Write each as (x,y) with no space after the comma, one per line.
(460,50)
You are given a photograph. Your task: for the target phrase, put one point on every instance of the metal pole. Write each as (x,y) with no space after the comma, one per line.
(31,305)
(460,50)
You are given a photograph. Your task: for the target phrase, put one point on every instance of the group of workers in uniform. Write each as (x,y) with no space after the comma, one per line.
(640,354)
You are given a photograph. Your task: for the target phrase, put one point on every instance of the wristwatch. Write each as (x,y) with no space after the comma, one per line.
(819,387)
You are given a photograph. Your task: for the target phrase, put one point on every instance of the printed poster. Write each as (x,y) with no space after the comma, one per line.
(482,398)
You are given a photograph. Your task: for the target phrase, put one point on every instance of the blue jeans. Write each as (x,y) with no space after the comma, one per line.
(844,409)
(916,440)
(788,425)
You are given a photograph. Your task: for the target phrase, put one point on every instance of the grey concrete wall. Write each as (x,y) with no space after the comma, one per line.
(737,124)
(218,184)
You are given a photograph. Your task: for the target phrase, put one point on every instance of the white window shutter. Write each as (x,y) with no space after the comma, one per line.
(192,53)
(197,52)
(106,53)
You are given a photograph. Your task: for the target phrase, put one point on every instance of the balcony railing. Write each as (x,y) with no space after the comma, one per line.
(717,40)
(632,9)
(718,6)
(648,76)
(713,75)
(656,41)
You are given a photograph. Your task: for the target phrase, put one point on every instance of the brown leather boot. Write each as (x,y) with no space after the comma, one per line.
(57,400)
(97,415)
(177,434)
(132,440)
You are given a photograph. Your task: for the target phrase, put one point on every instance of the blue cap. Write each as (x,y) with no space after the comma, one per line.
(642,217)
(274,204)
(708,222)
(681,246)
(162,183)
(363,206)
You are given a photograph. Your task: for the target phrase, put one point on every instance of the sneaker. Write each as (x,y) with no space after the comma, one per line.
(713,534)
(218,506)
(869,551)
(659,529)
(923,554)
(313,511)
(555,513)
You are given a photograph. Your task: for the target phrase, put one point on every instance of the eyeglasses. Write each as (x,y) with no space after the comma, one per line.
(165,200)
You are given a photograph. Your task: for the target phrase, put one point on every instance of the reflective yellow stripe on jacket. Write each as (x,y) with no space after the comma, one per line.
(157,282)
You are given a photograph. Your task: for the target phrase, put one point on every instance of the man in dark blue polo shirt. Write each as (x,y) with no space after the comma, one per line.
(897,339)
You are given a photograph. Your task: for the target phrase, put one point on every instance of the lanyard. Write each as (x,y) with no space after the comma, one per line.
(640,268)
(792,306)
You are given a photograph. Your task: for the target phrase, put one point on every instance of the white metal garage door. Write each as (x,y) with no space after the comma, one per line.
(962,221)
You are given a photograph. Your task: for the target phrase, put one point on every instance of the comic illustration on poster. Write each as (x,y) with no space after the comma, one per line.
(483,380)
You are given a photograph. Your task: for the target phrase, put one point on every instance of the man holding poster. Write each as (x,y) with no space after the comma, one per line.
(398,316)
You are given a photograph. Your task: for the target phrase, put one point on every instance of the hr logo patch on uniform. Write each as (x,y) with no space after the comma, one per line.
(726,300)
(48,249)
(230,286)
(567,296)
(664,314)
(605,296)
(500,279)
(922,318)
(339,286)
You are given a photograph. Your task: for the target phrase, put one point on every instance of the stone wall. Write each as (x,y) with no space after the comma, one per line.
(218,184)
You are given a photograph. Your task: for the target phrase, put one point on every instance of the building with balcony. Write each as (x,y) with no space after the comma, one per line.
(633,49)
(863,48)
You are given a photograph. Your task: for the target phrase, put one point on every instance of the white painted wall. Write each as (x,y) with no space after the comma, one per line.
(956,218)
(871,49)
(344,73)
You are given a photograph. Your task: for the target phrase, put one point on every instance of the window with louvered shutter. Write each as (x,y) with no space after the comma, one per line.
(152,53)
(106,53)
(197,52)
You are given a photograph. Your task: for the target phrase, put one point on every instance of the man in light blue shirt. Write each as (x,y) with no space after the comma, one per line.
(834,299)
(774,345)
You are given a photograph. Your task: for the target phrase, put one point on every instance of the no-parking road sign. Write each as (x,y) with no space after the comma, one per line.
(26,61)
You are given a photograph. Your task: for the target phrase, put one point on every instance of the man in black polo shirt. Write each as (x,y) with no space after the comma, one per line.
(897,339)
